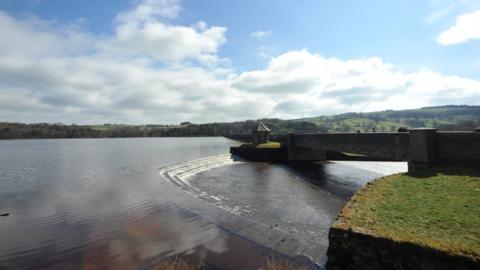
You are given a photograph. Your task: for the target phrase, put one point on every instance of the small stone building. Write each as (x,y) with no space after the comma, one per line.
(260,134)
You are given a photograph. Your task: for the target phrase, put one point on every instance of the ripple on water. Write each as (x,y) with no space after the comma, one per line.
(141,232)
(81,203)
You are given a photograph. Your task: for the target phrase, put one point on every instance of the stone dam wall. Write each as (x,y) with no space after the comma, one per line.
(349,250)
(458,147)
(261,154)
(420,147)
(389,146)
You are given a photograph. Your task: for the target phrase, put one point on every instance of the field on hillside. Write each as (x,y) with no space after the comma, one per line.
(443,118)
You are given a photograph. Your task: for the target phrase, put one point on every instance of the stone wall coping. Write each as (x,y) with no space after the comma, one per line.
(459,132)
(336,133)
(421,129)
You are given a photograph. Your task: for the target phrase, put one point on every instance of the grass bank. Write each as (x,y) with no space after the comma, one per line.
(263,145)
(438,208)
(269,145)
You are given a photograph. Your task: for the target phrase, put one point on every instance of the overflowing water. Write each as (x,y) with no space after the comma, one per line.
(118,203)
(178,173)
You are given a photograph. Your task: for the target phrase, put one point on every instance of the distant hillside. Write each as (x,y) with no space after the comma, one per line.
(443,118)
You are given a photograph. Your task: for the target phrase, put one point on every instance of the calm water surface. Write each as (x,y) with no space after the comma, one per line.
(120,203)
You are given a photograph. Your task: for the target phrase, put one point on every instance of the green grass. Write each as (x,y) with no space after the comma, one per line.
(439,208)
(263,145)
(269,145)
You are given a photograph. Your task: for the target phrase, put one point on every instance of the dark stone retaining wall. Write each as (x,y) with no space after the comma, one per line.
(390,146)
(458,147)
(261,154)
(341,156)
(350,250)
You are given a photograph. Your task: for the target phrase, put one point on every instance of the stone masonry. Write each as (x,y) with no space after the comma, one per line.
(420,147)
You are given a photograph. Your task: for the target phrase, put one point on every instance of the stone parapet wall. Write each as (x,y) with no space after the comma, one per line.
(420,147)
(306,154)
(458,147)
(388,146)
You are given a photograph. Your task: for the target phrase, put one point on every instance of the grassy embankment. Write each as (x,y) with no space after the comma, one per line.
(269,145)
(438,208)
(263,145)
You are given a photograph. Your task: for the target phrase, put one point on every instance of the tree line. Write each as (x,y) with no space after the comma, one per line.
(447,118)
(52,131)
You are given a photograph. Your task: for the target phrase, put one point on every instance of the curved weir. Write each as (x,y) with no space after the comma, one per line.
(240,218)
(288,208)
(179,173)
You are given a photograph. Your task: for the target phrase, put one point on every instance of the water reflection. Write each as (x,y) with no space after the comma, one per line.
(152,234)
(121,241)
(98,204)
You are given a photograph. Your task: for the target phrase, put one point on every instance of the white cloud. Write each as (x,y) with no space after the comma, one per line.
(467,27)
(35,38)
(300,81)
(167,42)
(151,10)
(141,31)
(260,34)
(201,25)
(152,71)
(140,74)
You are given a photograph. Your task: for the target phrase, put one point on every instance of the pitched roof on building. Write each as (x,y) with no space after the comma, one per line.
(261,127)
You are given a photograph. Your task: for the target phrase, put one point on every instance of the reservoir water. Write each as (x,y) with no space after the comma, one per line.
(126,203)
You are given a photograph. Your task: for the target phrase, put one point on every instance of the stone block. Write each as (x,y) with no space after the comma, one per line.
(422,148)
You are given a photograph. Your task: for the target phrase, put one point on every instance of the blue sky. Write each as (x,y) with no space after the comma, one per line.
(299,57)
